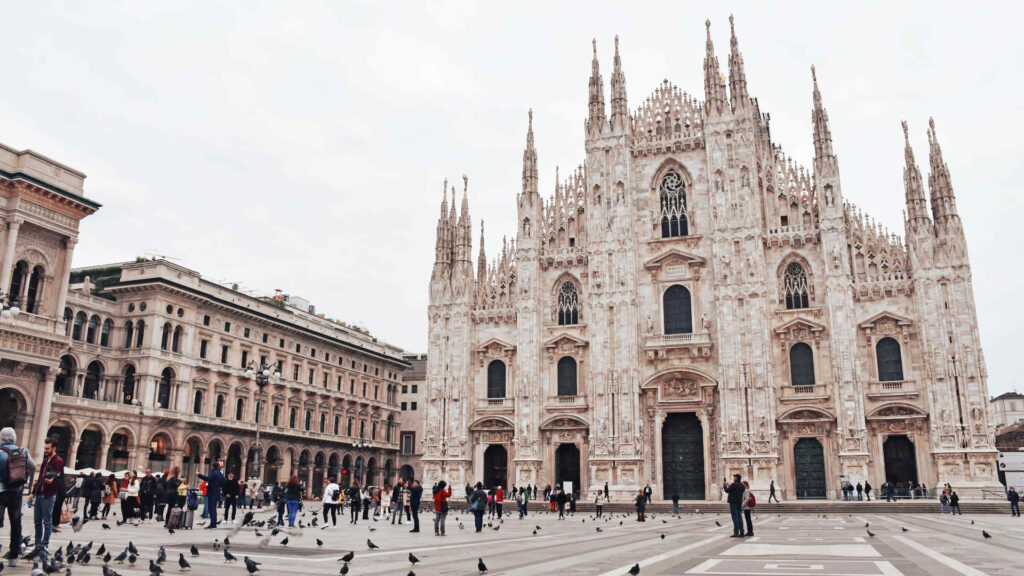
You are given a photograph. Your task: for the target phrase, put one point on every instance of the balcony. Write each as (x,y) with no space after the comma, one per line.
(566,403)
(496,404)
(50,326)
(699,344)
(893,389)
(808,393)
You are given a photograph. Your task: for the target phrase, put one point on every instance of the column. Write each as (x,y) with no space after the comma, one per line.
(44,399)
(72,459)
(64,277)
(6,265)
(104,451)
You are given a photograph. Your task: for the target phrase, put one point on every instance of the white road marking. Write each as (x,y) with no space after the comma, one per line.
(660,557)
(703,567)
(887,569)
(794,566)
(844,550)
(941,558)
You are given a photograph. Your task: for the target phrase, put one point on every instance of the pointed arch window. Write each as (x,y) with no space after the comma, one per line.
(567,376)
(678,310)
(795,286)
(801,365)
(567,306)
(890,361)
(673,205)
(496,379)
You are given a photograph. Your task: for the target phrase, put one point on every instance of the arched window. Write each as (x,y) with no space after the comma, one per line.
(568,305)
(91,329)
(219,409)
(309,420)
(129,331)
(65,382)
(673,206)
(277,415)
(890,361)
(323,423)
(163,391)
(794,285)
(239,409)
(93,375)
(140,331)
(108,326)
(165,336)
(678,312)
(292,415)
(567,376)
(801,365)
(388,432)
(176,339)
(80,320)
(35,285)
(17,281)
(197,404)
(496,379)
(128,386)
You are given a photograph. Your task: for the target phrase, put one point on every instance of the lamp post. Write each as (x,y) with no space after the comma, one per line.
(363,444)
(262,375)
(10,308)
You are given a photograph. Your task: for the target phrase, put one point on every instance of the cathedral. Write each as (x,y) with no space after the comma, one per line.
(692,303)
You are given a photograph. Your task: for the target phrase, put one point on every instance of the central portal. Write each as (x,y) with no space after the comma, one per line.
(495,466)
(567,466)
(682,451)
(809,466)
(900,460)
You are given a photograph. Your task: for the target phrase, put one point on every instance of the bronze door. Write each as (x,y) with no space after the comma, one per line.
(682,454)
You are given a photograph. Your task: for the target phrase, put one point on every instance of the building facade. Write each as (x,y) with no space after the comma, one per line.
(410,420)
(155,377)
(1007,409)
(42,203)
(691,303)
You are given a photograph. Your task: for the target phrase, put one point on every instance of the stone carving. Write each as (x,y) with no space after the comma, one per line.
(679,388)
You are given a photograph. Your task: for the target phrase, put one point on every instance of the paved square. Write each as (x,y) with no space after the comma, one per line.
(786,545)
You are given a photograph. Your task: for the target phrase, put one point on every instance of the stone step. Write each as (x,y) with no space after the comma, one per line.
(807,507)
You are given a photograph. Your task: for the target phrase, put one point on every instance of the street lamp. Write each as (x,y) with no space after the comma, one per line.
(262,375)
(363,443)
(10,308)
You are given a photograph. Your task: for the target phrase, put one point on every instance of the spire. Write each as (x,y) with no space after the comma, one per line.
(530,161)
(442,248)
(822,134)
(596,119)
(713,96)
(939,183)
(737,77)
(481,267)
(917,212)
(620,110)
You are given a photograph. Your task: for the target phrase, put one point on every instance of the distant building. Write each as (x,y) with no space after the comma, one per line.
(410,418)
(1006,409)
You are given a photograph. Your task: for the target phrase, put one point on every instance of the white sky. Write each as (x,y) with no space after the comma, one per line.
(302,146)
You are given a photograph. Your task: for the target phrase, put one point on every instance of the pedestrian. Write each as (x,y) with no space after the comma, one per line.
(110,492)
(648,492)
(76,492)
(16,469)
(280,504)
(888,492)
(441,497)
(954,504)
(478,505)
(231,493)
(561,499)
(171,491)
(534,491)
(58,503)
(293,496)
(1014,499)
(131,498)
(354,502)
(254,492)
(867,490)
(469,494)
(96,488)
(214,483)
(396,501)
(552,499)
(735,499)
(598,504)
(748,506)
(147,494)
(771,493)
(944,500)
(415,496)
(526,500)
(490,503)
(641,506)
(521,497)
(85,491)
(675,502)
(499,500)
(44,493)
(860,491)
(606,491)
(331,493)
(405,502)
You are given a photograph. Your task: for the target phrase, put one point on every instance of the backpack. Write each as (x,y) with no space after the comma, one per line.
(192,500)
(751,502)
(17,467)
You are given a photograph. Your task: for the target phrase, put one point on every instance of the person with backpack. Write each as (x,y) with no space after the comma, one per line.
(441,497)
(16,467)
(331,493)
(44,493)
(478,505)
(110,489)
(354,501)
(748,506)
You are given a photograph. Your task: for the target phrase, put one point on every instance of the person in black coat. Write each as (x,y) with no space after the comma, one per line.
(735,492)
(415,494)
(96,487)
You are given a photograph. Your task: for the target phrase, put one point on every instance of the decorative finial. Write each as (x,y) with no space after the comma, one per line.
(731,25)
(814,75)
(707,24)
(906,135)
(594,41)
(616,43)
(465,183)
(530,113)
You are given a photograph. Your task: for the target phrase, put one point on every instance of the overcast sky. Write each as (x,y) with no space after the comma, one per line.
(302,146)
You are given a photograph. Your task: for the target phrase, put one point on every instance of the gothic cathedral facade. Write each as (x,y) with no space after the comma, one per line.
(691,303)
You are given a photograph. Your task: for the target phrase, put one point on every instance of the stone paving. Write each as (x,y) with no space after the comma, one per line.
(784,545)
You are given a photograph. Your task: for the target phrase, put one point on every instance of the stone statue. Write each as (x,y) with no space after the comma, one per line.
(650,325)
(705,322)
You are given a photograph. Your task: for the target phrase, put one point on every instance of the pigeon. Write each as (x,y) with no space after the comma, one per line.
(319,542)
(344,569)
(84,558)
(35,570)
(986,534)
(866,524)
(103,548)
(106,558)
(347,557)
(182,563)
(285,541)
(77,523)
(251,565)
(634,570)
(972,522)
(599,529)
(161,555)
(132,548)
(413,559)
(154,569)
(904,528)
(662,536)
(717,523)
(372,529)
(411,573)
(370,544)
(871,534)
(228,557)
(194,550)
(131,560)
(105,526)
(534,532)
(536,527)
(247,519)
(227,541)
(480,565)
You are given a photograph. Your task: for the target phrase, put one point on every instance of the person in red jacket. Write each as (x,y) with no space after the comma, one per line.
(44,493)
(441,497)
(499,500)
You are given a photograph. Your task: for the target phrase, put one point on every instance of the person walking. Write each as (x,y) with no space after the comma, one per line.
(44,493)
(954,503)
(147,494)
(499,500)
(598,505)
(254,492)
(96,486)
(214,483)
(526,500)
(355,502)
(605,491)
(944,500)
(867,490)
(888,492)
(771,493)
(171,490)
(415,496)
(441,497)
(1014,499)
(85,491)
(561,499)
(230,492)
(490,504)
(75,493)
(552,499)
(520,500)
(110,491)
(331,493)
(16,469)
(675,503)
(735,499)
(293,496)
(478,506)
(131,498)
(648,492)
(641,506)
(58,503)
(748,506)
